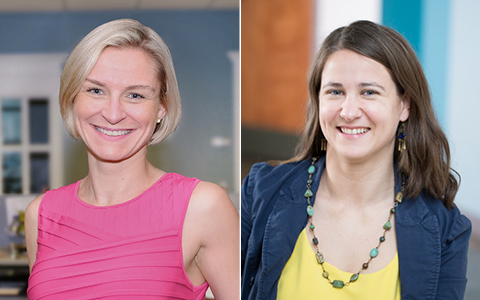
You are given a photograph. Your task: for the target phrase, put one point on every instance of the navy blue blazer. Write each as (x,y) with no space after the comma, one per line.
(432,240)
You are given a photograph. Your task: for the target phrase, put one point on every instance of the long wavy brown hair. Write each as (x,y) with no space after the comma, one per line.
(426,161)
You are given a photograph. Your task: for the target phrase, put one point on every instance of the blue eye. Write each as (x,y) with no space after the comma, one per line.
(95,91)
(335,92)
(136,96)
(369,93)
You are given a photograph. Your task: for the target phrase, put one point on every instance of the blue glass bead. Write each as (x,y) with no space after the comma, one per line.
(311,169)
(354,277)
(310,210)
(309,181)
(315,241)
(374,253)
(337,284)
(382,239)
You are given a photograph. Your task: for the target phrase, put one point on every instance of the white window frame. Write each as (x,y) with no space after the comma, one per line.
(27,77)
(234,57)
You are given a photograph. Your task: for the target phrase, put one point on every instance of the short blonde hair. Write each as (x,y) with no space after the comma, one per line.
(121,33)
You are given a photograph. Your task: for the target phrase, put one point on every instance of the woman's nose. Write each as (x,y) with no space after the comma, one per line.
(350,108)
(114,111)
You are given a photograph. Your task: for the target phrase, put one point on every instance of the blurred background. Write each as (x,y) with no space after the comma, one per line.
(280,37)
(36,152)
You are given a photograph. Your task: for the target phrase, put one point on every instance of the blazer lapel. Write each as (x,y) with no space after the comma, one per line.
(287,220)
(419,250)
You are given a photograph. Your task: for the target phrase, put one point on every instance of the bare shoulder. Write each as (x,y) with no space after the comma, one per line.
(213,223)
(209,198)
(211,211)
(32,208)
(31,228)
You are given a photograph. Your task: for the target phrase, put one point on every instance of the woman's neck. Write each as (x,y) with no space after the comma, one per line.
(109,183)
(357,184)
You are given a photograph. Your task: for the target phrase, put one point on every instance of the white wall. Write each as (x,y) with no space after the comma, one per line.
(333,14)
(463,101)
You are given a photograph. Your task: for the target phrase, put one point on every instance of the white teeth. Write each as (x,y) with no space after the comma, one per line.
(112,133)
(354,131)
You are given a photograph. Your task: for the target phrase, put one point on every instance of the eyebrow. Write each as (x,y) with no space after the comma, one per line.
(362,84)
(95,82)
(367,84)
(137,86)
(332,84)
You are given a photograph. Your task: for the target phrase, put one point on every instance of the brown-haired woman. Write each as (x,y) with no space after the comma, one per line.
(365,209)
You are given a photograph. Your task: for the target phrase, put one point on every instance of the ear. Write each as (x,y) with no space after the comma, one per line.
(161,111)
(405,108)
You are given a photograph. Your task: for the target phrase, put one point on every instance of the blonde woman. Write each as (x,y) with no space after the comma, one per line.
(128,230)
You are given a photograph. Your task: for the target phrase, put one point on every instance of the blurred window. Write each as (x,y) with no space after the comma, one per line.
(38,117)
(12,172)
(11,121)
(25,149)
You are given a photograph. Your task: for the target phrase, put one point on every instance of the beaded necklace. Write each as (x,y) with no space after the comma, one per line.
(373,253)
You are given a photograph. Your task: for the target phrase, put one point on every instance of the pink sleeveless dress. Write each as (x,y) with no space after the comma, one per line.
(131,250)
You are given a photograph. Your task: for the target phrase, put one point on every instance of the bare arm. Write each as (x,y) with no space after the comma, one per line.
(212,224)
(31,229)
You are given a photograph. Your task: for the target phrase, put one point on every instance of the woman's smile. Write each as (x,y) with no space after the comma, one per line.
(353,131)
(112,132)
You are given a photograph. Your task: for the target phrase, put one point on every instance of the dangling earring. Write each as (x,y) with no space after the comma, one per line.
(323,144)
(401,138)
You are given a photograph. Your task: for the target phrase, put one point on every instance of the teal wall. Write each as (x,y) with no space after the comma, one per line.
(425,24)
(405,17)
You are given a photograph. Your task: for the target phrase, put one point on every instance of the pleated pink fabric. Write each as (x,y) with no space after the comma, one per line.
(131,250)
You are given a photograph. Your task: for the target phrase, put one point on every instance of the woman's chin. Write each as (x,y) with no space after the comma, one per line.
(355,154)
(360,155)
(111,154)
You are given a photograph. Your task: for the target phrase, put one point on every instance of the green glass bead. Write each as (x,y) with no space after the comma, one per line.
(337,284)
(354,277)
(320,258)
(309,181)
(374,253)
(310,210)
(382,239)
(311,169)
(393,210)
(325,274)
(312,227)
(308,193)
(387,225)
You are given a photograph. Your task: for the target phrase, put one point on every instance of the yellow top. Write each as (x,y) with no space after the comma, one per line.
(302,278)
